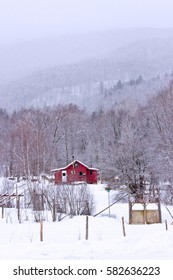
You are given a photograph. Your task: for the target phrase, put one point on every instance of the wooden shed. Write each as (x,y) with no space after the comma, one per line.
(145,208)
(74,172)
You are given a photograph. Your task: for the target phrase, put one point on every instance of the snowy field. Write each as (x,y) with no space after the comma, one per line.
(65,240)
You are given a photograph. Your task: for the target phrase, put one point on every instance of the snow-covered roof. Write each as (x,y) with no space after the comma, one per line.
(73,162)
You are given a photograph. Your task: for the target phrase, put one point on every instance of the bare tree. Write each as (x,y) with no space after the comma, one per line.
(69,200)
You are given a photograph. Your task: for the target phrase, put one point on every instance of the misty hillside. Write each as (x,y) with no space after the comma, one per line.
(21,59)
(84,69)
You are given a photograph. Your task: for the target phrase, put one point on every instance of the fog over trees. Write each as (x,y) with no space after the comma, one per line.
(93,70)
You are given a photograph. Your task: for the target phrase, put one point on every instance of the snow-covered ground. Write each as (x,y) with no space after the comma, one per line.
(65,240)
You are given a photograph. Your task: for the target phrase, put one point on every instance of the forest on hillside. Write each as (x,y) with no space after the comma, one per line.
(131,141)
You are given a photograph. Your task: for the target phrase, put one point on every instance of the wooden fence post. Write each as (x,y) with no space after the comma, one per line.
(86,237)
(18,209)
(54,210)
(166,225)
(18,204)
(2,211)
(124,232)
(41,230)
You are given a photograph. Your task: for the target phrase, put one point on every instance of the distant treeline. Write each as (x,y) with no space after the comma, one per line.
(130,141)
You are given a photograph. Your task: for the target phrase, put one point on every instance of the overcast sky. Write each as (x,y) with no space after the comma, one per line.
(27,19)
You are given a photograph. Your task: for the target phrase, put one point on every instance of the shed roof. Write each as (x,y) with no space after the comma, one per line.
(73,162)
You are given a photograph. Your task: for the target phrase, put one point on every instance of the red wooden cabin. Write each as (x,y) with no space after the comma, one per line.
(76,171)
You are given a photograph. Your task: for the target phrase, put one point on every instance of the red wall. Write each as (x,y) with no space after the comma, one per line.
(88,176)
(58,176)
(76,177)
(92,178)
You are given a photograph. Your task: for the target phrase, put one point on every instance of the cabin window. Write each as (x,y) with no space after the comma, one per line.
(72,172)
(76,164)
(91,172)
(80,173)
